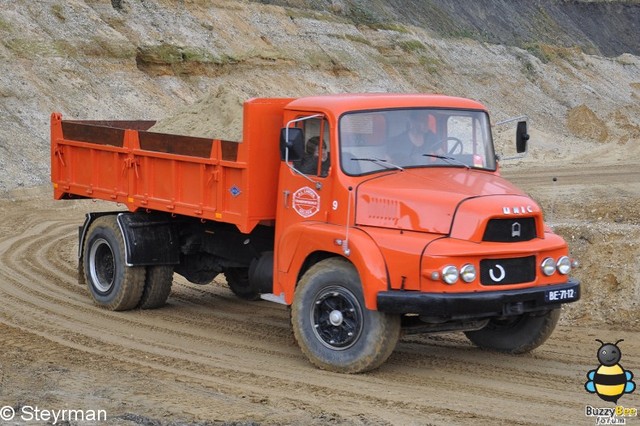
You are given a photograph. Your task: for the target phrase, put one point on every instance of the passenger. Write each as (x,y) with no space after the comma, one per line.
(309,163)
(407,147)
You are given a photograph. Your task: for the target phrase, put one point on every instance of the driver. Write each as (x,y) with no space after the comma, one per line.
(407,147)
(309,164)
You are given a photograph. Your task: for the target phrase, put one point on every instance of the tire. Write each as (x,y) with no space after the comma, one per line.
(515,335)
(112,284)
(157,287)
(238,282)
(333,327)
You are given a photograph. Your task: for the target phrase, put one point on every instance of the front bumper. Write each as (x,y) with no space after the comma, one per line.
(454,306)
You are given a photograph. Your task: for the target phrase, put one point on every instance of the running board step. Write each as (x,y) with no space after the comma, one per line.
(273,298)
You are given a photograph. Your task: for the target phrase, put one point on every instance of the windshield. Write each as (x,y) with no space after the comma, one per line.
(372,141)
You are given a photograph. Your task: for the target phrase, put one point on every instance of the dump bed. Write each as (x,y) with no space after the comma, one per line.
(120,161)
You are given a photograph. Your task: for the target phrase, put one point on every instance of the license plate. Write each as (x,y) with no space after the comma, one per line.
(560,295)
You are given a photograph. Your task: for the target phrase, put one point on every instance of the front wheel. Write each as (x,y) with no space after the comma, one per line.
(516,335)
(333,327)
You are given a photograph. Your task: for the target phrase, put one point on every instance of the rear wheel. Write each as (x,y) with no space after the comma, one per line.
(333,327)
(516,335)
(112,284)
(157,287)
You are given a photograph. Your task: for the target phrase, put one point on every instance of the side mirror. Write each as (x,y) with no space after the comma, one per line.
(291,144)
(522,136)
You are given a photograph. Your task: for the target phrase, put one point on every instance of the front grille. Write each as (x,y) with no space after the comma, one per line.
(510,230)
(508,271)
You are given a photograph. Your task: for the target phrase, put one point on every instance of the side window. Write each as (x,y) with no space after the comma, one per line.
(316,153)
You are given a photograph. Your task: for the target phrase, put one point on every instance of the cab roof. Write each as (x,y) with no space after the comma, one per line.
(339,104)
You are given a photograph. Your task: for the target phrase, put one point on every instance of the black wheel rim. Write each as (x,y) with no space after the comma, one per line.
(337,318)
(101,266)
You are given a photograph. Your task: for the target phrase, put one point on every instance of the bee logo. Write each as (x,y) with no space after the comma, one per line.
(610,381)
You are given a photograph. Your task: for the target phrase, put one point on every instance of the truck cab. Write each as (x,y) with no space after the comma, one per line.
(412,205)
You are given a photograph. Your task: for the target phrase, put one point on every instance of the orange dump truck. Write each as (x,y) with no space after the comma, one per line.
(369,215)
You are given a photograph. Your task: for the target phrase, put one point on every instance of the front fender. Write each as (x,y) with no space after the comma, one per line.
(302,240)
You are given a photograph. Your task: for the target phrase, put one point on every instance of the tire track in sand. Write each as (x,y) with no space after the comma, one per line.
(240,348)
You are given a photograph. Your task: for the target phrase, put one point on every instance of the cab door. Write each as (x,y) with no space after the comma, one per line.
(305,187)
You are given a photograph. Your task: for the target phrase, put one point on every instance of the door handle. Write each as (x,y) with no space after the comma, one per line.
(286,194)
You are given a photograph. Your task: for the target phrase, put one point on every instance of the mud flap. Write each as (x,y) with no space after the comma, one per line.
(150,239)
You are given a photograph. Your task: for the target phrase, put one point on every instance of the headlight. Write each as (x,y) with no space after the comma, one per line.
(450,274)
(548,266)
(468,273)
(564,265)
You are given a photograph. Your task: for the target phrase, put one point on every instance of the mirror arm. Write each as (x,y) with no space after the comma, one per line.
(511,120)
(289,123)
(294,170)
(286,150)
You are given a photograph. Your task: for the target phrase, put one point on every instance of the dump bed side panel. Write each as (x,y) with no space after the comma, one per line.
(226,181)
(89,163)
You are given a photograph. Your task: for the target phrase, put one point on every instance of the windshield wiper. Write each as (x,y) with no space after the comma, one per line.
(449,160)
(380,162)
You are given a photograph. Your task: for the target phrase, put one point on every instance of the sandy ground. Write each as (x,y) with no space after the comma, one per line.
(210,358)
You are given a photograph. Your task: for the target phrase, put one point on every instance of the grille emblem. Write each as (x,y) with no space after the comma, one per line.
(515,229)
(493,276)
(517,210)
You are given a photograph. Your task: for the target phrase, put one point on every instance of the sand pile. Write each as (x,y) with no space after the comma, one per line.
(583,122)
(216,116)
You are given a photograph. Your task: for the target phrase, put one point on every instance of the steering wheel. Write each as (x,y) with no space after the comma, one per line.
(457,146)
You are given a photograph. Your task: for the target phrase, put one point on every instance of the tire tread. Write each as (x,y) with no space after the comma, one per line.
(157,287)
(380,344)
(529,335)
